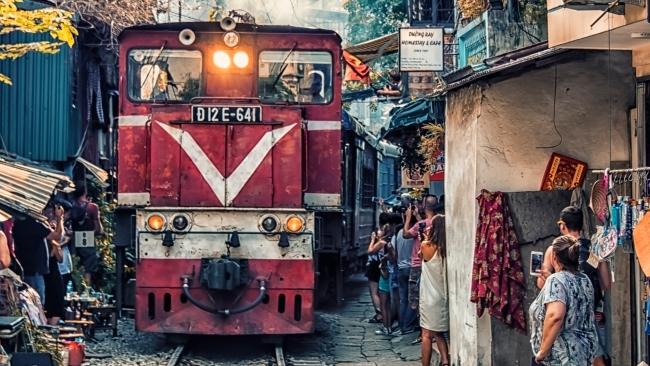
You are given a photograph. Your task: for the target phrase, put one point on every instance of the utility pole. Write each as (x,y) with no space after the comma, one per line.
(180,10)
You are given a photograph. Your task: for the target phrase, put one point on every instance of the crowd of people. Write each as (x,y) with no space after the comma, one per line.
(567,319)
(41,252)
(407,279)
(406,273)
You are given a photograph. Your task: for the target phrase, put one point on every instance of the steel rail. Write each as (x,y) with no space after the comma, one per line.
(279,355)
(176,355)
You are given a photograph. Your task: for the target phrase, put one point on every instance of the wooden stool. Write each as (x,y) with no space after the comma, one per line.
(104,317)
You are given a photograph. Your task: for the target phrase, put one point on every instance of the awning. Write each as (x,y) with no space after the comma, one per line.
(416,113)
(93,169)
(27,189)
(375,48)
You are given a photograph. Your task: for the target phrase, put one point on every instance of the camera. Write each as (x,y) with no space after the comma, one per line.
(58,201)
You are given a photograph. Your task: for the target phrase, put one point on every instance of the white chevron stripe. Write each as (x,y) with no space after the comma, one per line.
(210,173)
(252,161)
(227,189)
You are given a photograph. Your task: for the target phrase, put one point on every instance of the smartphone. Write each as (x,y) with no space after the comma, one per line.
(536,260)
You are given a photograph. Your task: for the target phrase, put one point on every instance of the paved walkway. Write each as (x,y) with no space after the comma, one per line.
(354,341)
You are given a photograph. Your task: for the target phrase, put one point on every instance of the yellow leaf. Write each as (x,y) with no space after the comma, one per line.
(5,79)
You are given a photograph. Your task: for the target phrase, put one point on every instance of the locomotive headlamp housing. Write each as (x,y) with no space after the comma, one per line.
(240,59)
(221,59)
(269,224)
(231,39)
(181,222)
(156,222)
(295,224)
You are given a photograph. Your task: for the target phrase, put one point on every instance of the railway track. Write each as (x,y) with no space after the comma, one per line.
(279,358)
(176,358)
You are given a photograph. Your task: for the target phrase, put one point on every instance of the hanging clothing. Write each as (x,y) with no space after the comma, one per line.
(94,91)
(498,282)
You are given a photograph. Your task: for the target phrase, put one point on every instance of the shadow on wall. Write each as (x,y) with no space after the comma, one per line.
(535,215)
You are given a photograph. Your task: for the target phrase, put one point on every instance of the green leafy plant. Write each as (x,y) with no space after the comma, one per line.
(106,276)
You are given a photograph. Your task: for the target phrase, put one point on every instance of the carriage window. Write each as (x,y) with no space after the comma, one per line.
(295,77)
(170,75)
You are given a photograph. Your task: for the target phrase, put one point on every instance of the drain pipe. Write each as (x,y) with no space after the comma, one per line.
(225,312)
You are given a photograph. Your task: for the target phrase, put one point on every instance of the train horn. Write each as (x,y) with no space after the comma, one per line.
(186,37)
(227,24)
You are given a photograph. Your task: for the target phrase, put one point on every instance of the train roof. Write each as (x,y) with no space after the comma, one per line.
(241,28)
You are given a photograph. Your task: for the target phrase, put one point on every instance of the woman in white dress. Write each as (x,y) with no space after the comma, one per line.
(434,309)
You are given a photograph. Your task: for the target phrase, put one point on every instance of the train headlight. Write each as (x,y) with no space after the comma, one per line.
(240,59)
(156,222)
(269,224)
(180,222)
(221,59)
(231,39)
(295,224)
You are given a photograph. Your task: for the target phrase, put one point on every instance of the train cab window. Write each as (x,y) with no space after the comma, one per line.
(303,77)
(167,75)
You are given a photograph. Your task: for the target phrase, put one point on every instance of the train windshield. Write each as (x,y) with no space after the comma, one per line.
(167,75)
(295,77)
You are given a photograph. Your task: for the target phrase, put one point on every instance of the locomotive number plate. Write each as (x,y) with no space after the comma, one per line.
(226,114)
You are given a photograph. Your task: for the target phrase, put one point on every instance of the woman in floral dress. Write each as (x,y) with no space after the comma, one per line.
(563,328)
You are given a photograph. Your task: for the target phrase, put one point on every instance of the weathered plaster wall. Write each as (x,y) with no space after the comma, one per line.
(493,134)
(460,187)
(517,119)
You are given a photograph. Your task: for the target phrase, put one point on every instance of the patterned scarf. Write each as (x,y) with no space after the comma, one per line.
(498,282)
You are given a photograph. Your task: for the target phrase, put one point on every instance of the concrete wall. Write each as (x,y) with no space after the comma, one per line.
(494,132)
(469,345)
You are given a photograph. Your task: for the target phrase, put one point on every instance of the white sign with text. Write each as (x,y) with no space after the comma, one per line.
(421,49)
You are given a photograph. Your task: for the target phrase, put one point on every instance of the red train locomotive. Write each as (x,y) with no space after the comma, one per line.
(231,166)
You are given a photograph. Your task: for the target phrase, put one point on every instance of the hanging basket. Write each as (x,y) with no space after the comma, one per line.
(472,8)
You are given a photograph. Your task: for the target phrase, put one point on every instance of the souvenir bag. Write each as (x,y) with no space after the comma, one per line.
(604,241)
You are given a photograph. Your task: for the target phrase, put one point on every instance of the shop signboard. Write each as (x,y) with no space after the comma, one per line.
(413,178)
(421,49)
(472,44)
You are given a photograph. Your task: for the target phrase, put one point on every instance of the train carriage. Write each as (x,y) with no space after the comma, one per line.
(231,173)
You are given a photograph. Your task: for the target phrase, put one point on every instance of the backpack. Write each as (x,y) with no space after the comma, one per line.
(79,214)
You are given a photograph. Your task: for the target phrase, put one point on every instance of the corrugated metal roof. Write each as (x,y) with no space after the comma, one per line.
(27,189)
(36,119)
(375,48)
(4,216)
(509,65)
(98,172)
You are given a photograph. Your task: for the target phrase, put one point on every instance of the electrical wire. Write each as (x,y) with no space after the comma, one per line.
(554,115)
(295,14)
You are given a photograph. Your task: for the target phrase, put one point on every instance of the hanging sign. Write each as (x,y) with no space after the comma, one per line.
(414,178)
(421,49)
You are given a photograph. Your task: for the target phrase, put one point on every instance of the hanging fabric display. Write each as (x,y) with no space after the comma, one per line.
(498,282)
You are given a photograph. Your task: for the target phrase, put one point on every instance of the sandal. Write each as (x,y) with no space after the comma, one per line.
(375,320)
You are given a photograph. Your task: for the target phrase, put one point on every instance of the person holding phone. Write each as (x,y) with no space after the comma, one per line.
(434,305)
(375,252)
(30,238)
(416,232)
(561,317)
(598,272)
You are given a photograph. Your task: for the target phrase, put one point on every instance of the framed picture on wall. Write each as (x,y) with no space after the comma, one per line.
(563,172)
